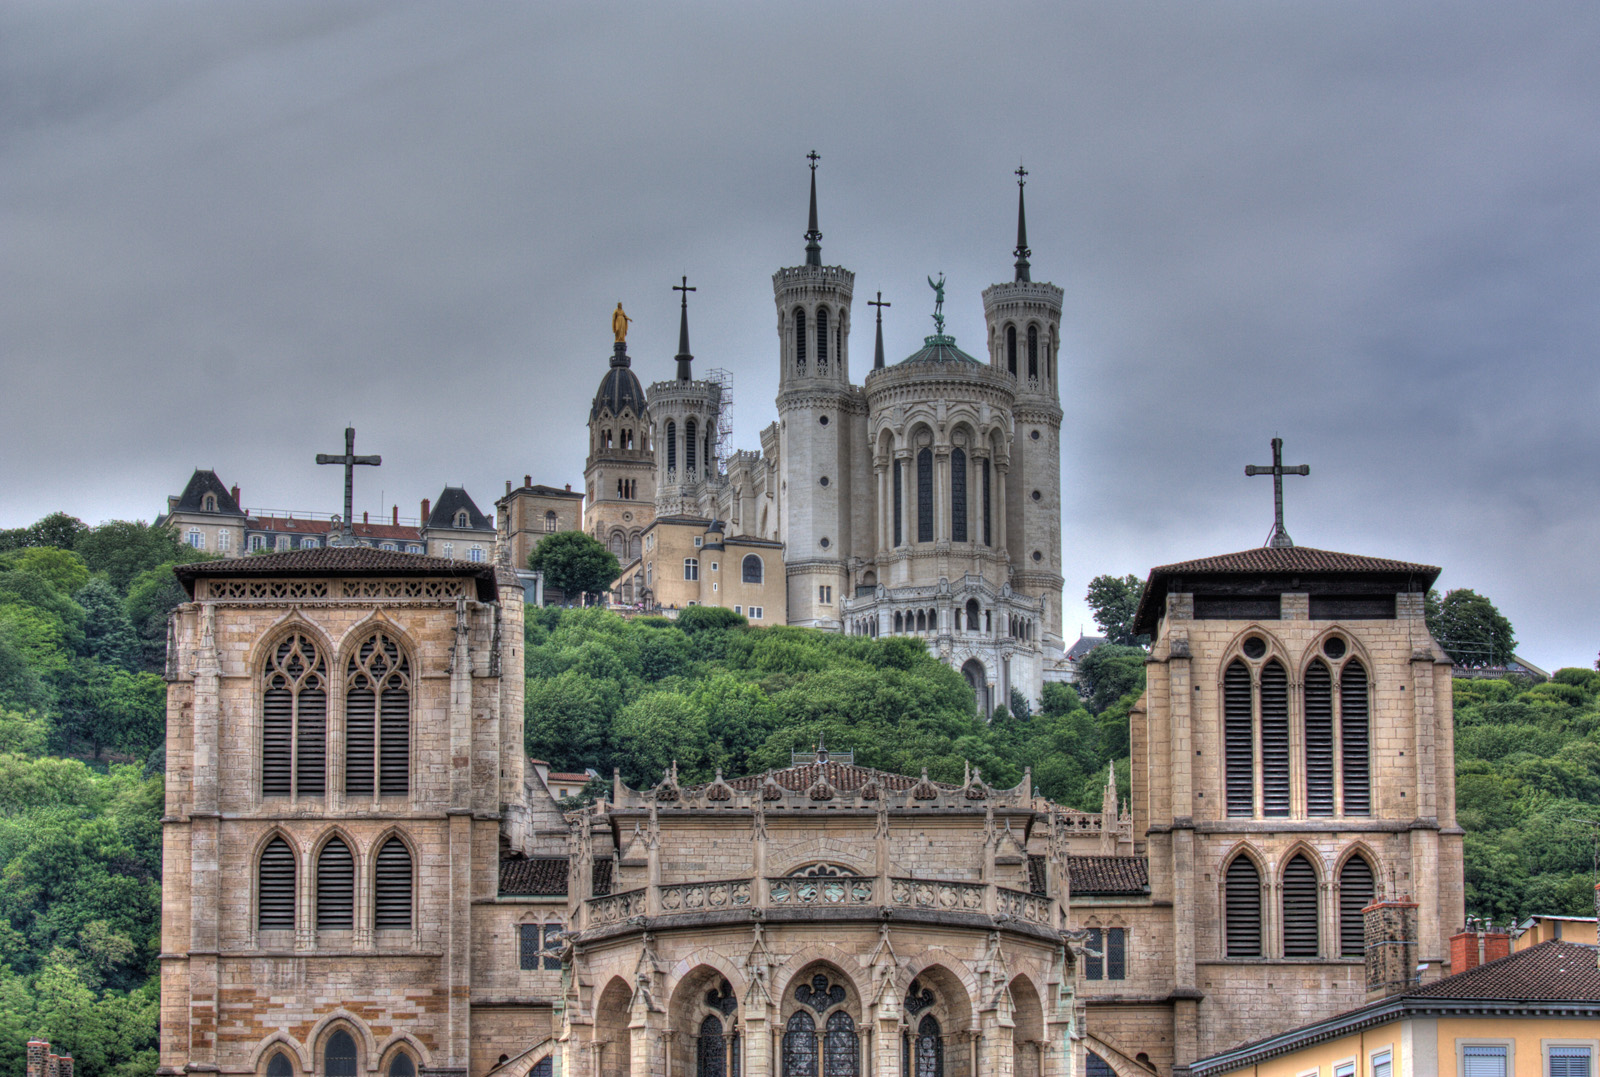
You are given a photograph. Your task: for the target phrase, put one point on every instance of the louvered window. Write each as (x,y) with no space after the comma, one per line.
(1483,1061)
(294,718)
(1242,912)
(336,887)
(275,887)
(1355,893)
(339,1057)
(800,336)
(1319,740)
(987,540)
(1382,1065)
(392,886)
(1094,955)
(1300,909)
(1274,740)
(672,445)
(1239,740)
(1116,953)
(378,719)
(958,496)
(1354,739)
(899,502)
(1570,1062)
(822,334)
(925,495)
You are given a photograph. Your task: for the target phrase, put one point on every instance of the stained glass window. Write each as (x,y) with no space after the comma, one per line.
(841,1055)
(930,1048)
(711,1053)
(800,1046)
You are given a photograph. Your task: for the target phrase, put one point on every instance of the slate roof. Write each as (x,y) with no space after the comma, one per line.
(204,481)
(551,491)
(1274,561)
(1109,874)
(541,876)
(619,388)
(452,501)
(1084,645)
(845,777)
(341,561)
(940,348)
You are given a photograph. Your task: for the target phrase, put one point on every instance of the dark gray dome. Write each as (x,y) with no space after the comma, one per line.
(940,348)
(619,389)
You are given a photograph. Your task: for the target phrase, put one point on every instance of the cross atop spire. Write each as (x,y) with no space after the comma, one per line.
(1022,250)
(877,357)
(813,235)
(1280,537)
(349,459)
(684,358)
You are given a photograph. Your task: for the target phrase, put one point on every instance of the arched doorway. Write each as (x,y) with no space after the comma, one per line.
(978,680)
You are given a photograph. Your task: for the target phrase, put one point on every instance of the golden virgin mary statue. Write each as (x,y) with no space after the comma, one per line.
(619,324)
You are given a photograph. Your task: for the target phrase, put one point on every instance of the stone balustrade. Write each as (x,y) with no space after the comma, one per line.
(1021,905)
(691,897)
(614,908)
(820,890)
(940,894)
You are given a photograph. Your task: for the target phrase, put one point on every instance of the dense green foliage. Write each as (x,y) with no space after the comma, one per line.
(575,563)
(1114,600)
(1470,629)
(711,693)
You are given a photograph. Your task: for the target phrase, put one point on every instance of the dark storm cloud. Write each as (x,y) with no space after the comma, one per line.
(1370,228)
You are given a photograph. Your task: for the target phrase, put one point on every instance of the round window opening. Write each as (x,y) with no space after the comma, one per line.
(826,544)
(823,420)
(1037,556)
(823,480)
(1036,495)
(1034,435)
(1255,647)
(1334,648)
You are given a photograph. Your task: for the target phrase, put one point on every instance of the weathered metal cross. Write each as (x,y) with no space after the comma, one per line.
(349,460)
(877,355)
(1280,537)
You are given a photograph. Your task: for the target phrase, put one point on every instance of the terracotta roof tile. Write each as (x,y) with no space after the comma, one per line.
(544,876)
(1109,874)
(1037,875)
(600,878)
(1290,559)
(341,561)
(1552,971)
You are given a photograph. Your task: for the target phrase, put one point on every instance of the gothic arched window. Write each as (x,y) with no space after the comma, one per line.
(1274,740)
(1319,739)
(688,444)
(1033,351)
(1238,737)
(752,569)
(841,1052)
(800,338)
(1242,909)
(800,1046)
(377,723)
(275,887)
(336,888)
(929,1054)
(1300,935)
(294,720)
(280,1066)
(958,495)
(672,445)
(1011,349)
(391,888)
(925,495)
(1353,739)
(1356,892)
(711,1055)
(402,1066)
(899,502)
(339,1056)
(822,335)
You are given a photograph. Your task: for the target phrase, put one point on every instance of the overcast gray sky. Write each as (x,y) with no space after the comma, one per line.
(1371,228)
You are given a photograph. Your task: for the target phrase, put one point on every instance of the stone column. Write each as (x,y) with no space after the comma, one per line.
(879,503)
(908,484)
(1002,538)
(941,493)
(457,934)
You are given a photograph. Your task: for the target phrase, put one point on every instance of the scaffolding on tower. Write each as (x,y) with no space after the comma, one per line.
(719,376)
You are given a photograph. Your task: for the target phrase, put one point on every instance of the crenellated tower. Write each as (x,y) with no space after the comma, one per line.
(619,474)
(683,414)
(824,497)
(1024,324)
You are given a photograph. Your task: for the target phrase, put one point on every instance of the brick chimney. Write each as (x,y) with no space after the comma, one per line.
(1391,947)
(508,487)
(395,516)
(569,488)
(527,480)
(425,512)
(235,493)
(365,519)
(1477,944)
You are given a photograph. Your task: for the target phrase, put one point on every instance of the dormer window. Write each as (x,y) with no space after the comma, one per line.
(209,503)
(461,518)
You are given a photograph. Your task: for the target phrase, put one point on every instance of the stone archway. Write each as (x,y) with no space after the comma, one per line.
(612,1041)
(1027,1035)
(978,679)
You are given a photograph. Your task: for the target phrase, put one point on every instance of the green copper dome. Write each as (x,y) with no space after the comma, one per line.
(940,348)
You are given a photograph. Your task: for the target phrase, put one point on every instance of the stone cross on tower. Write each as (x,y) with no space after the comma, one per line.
(1280,537)
(877,357)
(349,460)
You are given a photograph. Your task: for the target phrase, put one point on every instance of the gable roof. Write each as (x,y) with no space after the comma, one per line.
(1084,645)
(452,501)
(1295,563)
(1109,874)
(204,481)
(341,561)
(1550,971)
(540,876)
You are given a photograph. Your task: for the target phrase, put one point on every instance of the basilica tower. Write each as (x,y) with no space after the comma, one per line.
(619,474)
(683,417)
(1024,323)
(824,497)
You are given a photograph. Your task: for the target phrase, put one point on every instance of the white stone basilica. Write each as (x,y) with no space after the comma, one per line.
(926,501)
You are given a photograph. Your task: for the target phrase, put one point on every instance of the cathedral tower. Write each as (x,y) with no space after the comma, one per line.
(1024,321)
(683,416)
(824,497)
(619,475)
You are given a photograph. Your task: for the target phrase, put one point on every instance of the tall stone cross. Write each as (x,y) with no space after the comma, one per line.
(349,460)
(1280,537)
(877,355)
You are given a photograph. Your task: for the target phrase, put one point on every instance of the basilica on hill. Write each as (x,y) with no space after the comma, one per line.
(924,501)
(364,873)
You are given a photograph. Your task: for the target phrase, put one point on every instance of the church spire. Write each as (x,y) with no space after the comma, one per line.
(877,358)
(684,358)
(1022,250)
(813,236)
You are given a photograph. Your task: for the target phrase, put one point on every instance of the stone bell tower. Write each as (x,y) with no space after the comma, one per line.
(619,474)
(825,499)
(1024,322)
(683,417)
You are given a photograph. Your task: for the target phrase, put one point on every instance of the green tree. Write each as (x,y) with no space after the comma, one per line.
(108,633)
(1114,600)
(61,569)
(122,549)
(1108,673)
(152,595)
(575,563)
(1469,628)
(58,530)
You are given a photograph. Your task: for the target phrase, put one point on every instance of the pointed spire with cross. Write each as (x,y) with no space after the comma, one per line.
(1022,250)
(684,358)
(349,459)
(813,235)
(877,357)
(1280,538)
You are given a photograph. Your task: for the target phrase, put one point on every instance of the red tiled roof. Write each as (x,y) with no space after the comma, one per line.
(1553,971)
(544,876)
(342,561)
(1290,559)
(1109,874)
(845,777)
(600,878)
(558,776)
